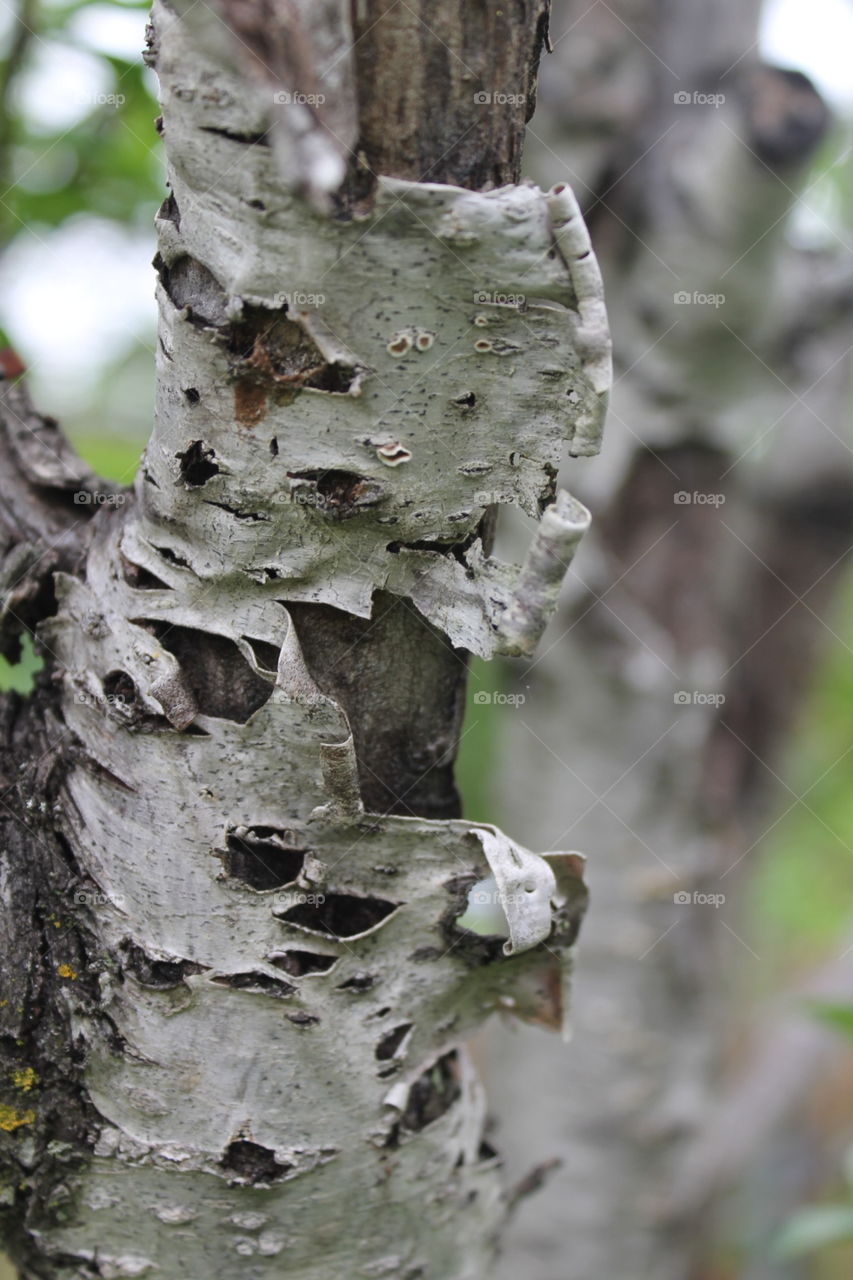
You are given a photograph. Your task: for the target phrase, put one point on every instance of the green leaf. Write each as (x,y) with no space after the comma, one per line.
(20,676)
(814,1229)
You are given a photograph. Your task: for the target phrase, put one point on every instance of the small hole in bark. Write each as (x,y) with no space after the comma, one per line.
(433,1093)
(340,915)
(194,290)
(192,395)
(172,556)
(266,655)
(119,688)
(246,138)
(359,983)
(391,1041)
(168,210)
(262,858)
(197,465)
(219,677)
(274,447)
(300,963)
(280,355)
(140,578)
(253,981)
(162,975)
(339,494)
(467,398)
(253,1164)
(486,1151)
(302,1019)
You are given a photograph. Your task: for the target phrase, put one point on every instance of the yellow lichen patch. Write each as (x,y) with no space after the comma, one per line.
(24,1078)
(65,971)
(11,1119)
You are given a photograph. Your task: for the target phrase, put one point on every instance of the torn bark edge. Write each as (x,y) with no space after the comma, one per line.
(531,1183)
(537,590)
(46,516)
(591,330)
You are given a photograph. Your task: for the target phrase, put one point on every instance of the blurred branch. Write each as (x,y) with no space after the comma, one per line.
(792,1052)
(23,33)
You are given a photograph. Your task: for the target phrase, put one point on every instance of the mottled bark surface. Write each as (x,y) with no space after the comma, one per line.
(242,1049)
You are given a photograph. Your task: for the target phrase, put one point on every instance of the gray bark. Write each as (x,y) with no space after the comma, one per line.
(745,401)
(234,865)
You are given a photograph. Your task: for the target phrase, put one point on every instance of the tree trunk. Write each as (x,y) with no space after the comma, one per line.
(233,857)
(659,703)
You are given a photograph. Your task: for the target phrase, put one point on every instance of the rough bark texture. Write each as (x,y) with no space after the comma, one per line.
(722,497)
(241,1050)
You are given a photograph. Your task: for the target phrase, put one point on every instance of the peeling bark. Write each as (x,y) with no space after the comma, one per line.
(256,665)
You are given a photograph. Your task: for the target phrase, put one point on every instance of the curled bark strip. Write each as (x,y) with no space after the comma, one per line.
(537,591)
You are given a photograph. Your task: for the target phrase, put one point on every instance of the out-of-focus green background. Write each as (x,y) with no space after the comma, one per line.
(81,175)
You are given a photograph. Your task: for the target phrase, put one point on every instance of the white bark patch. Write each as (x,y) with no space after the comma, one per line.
(288,985)
(285,961)
(451,344)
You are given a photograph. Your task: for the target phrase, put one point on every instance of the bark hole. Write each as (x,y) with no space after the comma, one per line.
(359,983)
(119,688)
(246,139)
(253,1164)
(262,858)
(300,963)
(257,982)
(338,494)
(303,1019)
(196,463)
(433,1093)
(391,1041)
(194,290)
(141,579)
(219,677)
(266,655)
(274,353)
(339,915)
(162,975)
